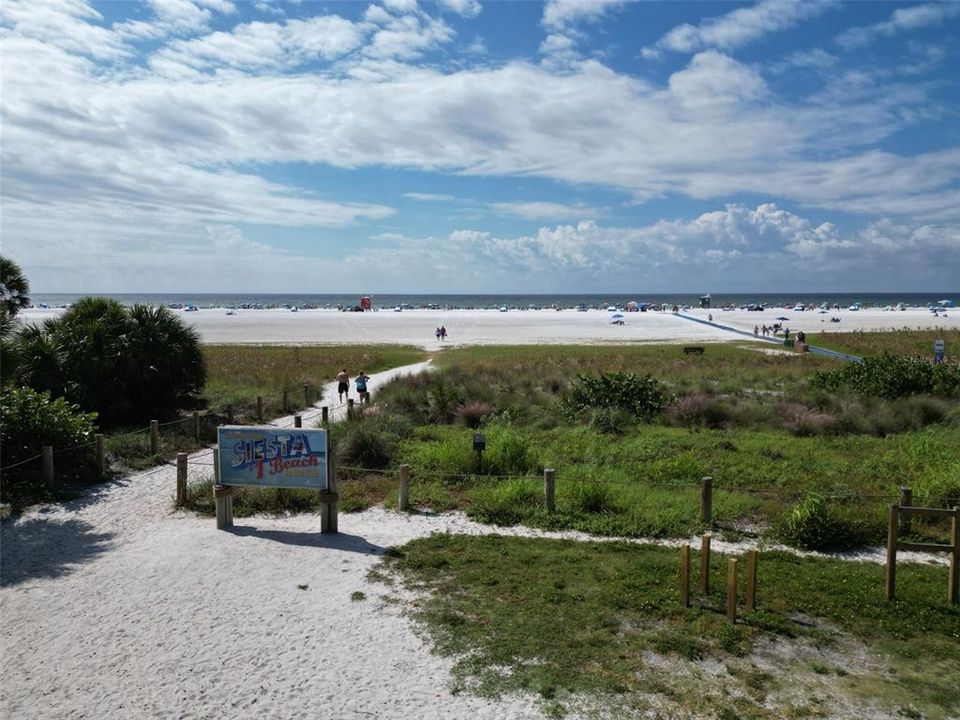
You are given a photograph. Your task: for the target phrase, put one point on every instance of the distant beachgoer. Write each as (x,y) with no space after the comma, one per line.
(437,333)
(343,384)
(361,381)
(443,333)
(756,330)
(801,337)
(710,317)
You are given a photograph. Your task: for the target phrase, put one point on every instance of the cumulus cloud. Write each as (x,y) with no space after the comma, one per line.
(738,27)
(900,20)
(561,19)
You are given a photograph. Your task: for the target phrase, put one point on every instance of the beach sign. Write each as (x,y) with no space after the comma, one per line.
(269,456)
(938,351)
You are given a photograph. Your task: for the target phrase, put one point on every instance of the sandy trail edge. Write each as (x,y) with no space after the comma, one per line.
(115,606)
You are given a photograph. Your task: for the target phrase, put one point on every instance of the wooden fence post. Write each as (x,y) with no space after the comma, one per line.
(549,498)
(954,591)
(259,409)
(286,401)
(196,426)
(906,500)
(101,458)
(705,563)
(752,579)
(48,477)
(223,502)
(306,395)
(892,552)
(732,590)
(404,503)
(216,465)
(181,479)
(328,510)
(229,414)
(706,500)
(325,415)
(349,408)
(298,421)
(154,437)
(685,574)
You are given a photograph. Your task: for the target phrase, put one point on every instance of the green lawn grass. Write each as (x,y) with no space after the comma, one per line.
(562,619)
(897,342)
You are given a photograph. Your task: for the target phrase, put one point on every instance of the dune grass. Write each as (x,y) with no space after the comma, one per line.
(566,619)
(896,342)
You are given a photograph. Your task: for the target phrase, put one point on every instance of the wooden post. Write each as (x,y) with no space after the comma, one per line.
(297,421)
(732,590)
(101,458)
(549,501)
(229,414)
(259,409)
(404,503)
(196,426)
(306,395)
(223,501)
(349,408)
(216,466)
(906,500)
(286,401)
(705,563)
(328,511)
(953,593)
(48,477)
(892,552)
(181,479)
(706,500)
(752,579)
(154,437)
(325,415)
(685,574)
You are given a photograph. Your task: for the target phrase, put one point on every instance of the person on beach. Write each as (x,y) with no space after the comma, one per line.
(443,333)
(710,317)
(362,391)
(756,331)
(801,337)
(437,333)
(343,385)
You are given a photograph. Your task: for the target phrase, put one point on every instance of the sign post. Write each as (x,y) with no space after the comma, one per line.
(281,458)
(938,351)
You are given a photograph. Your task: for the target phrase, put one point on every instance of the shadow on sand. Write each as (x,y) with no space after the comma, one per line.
(337,541)
(45,548)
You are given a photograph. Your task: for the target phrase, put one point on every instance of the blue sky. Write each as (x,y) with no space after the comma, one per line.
(461,146)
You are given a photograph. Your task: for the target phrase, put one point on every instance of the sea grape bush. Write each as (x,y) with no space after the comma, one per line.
(28,421)
(642,397)
(891,377)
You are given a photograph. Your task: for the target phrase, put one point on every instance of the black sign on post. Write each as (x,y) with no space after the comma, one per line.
(479,445)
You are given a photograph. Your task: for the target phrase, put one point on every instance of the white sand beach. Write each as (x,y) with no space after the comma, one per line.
(521,327)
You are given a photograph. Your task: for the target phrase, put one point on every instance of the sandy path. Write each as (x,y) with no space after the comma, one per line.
(116,606)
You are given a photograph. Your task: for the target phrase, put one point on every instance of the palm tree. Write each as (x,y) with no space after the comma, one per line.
(14,287)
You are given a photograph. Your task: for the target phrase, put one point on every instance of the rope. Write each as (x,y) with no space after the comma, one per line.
(22,462)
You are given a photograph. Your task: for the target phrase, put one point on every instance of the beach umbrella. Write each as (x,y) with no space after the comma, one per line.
(782,318)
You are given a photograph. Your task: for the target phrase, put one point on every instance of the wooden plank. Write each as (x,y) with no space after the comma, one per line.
(906,500)
(685,575)
(732,590)
(404,501)
(705,563)
(706,500)
(181,479)
(892,528)
(154,437)
(953,590)
(48,476)
(924,547)
(930,512)
(548,496)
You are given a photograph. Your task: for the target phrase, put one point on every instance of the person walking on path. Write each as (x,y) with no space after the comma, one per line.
(361,381)
(343,385)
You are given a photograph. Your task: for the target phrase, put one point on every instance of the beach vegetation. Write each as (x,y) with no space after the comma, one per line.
(496,607)
(30,419)
(891,377)
(14,288)
(127,365)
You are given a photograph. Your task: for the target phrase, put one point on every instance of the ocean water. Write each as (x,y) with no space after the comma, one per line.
(450,301)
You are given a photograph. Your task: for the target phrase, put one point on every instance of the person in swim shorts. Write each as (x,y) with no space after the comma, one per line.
(343,384)
(362,391)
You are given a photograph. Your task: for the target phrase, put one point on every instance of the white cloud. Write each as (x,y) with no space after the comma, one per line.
(464,8)
(66,24)
(738,27)
(900,20)
(714,80)
(543,210)
(558,14)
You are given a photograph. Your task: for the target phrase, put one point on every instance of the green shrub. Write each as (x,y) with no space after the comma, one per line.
(363,445)
(611,421)
(816,524)
(129,366)
(891,376)
(28,421)
(506,503)
(508,452)
(591,497)
(642,397)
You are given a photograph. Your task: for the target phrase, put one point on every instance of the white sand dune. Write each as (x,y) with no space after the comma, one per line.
(527,327)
